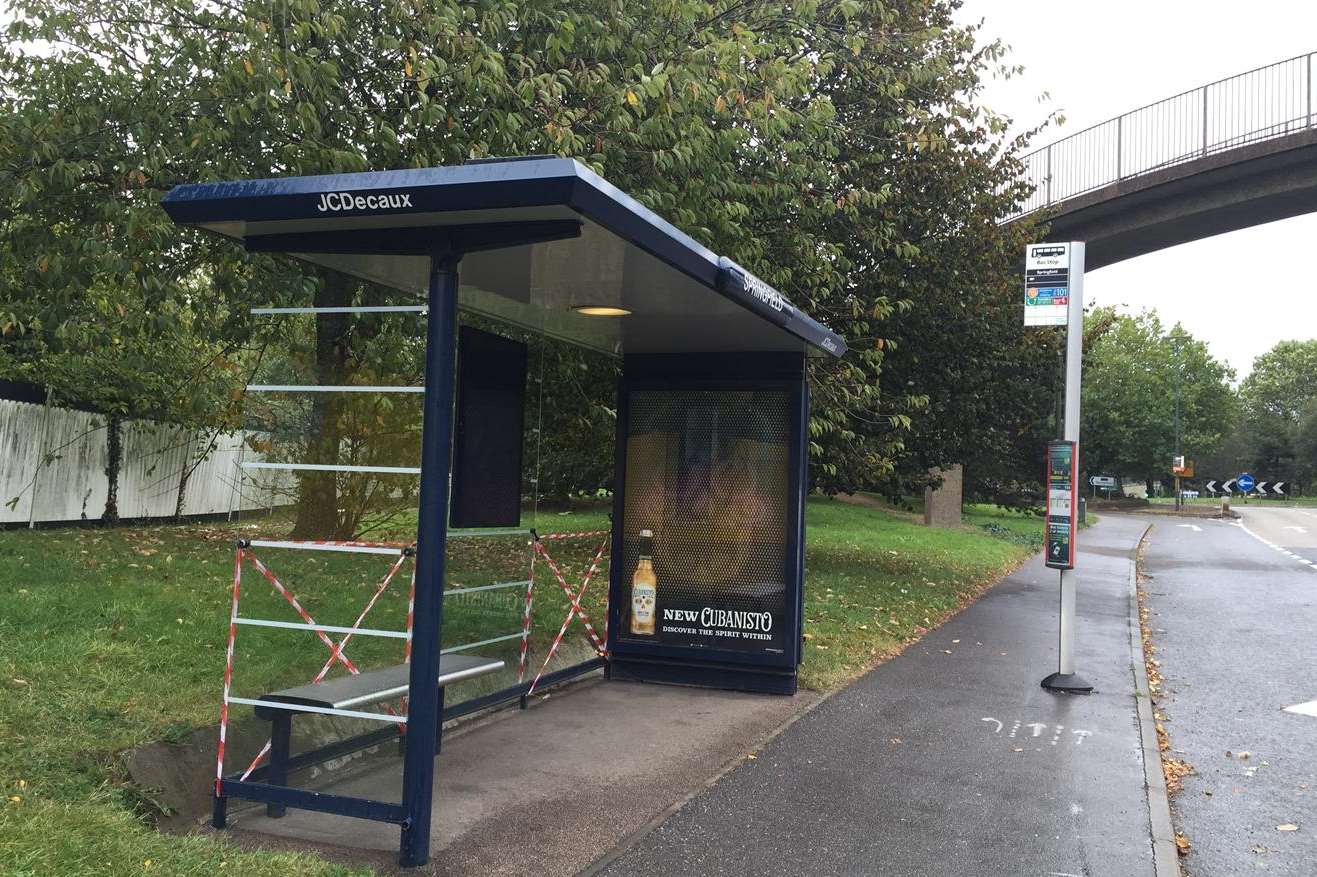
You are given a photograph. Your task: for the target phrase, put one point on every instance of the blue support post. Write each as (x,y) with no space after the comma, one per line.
(281,733)
(424,705)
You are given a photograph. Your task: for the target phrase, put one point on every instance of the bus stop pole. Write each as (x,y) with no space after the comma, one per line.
(423,704)
(1065,679)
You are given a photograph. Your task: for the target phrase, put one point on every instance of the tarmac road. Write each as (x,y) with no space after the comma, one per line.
(1233,607)
(1293,528)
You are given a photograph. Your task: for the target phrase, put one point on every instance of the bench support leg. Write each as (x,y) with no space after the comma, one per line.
(281,732)
(439,728)
(219,811)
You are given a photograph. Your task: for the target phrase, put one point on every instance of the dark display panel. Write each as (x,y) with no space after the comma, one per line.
(487,444)
(707,472)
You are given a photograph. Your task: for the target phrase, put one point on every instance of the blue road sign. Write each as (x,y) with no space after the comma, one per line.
(1245,482)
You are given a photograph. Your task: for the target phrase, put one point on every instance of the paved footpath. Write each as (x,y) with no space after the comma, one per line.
(950,759)
(1234,615)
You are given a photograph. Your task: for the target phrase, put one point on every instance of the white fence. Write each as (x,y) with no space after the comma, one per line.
(52,467)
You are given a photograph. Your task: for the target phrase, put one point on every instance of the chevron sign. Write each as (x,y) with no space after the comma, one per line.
(1213,486)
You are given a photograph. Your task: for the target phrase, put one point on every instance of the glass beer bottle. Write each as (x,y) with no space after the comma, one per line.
(644,588)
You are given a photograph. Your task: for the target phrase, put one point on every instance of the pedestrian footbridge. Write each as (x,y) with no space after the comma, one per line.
(1231,154)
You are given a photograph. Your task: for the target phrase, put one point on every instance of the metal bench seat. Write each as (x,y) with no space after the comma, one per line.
(373,686)
(348,692)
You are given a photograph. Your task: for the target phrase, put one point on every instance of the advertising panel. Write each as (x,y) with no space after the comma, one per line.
(705,520)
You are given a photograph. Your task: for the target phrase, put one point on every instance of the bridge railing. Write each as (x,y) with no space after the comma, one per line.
(1268,102)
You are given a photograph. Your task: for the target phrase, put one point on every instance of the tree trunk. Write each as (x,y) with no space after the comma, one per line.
(317,504)
(113,462)
(180,498)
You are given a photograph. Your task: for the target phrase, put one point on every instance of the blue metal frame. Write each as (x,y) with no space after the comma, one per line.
(431,539)
(705,666)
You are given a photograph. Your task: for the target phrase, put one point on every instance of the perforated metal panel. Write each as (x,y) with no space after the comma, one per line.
(707,472)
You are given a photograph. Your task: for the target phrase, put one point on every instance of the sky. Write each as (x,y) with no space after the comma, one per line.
(1096,60)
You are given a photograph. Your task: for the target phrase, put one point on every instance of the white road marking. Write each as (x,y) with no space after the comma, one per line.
(1303,709)
(1308,563)
(1300,529)
(1194,527)
(1038,729)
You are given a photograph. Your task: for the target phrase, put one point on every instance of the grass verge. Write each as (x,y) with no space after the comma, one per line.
(113,638)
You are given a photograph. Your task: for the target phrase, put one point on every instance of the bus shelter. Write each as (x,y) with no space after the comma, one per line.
(707,539)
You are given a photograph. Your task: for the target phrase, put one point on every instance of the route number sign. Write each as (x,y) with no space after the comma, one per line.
(1062,503)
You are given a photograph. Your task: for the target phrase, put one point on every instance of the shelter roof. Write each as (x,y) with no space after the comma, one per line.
(598,247)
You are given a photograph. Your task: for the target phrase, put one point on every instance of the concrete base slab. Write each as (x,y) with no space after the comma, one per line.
(548,790)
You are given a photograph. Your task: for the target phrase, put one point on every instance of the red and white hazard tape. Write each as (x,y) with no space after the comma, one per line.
(525,620)
(333,545)
(291,598)
(546,537)
(338,650)
(574,611)
(562,583)
(228,670)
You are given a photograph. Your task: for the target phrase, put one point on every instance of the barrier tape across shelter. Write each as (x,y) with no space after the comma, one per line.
(336,649)
(342,644)
(575,610)
(336,653)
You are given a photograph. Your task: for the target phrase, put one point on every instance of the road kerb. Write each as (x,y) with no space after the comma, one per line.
(1166,859)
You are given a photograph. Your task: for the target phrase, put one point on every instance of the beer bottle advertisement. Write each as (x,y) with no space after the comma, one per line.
(644,588)
(705,519)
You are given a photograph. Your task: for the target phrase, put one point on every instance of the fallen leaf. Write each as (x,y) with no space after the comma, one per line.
(1181,844)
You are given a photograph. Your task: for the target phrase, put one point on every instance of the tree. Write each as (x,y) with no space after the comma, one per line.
(1305,446)
(1133,375)
(1278,398)
(766,129)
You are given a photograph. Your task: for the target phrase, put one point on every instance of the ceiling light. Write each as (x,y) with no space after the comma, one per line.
(601,311)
